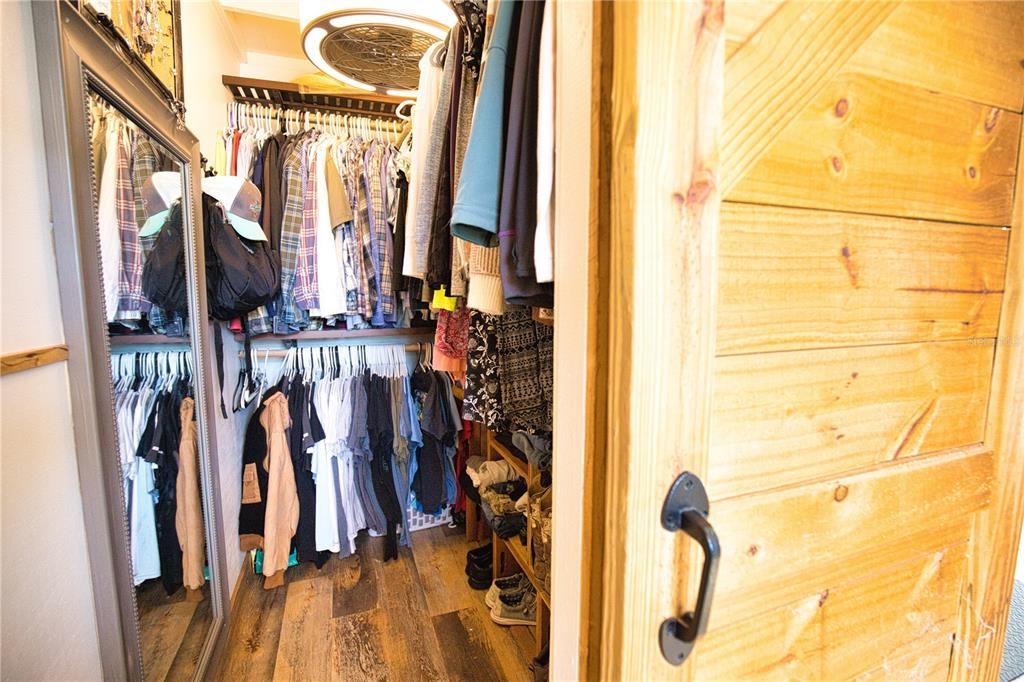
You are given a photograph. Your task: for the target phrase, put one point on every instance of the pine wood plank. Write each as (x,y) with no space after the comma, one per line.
(786,543)
(773,77)
(663,260)
(30,359)
(465,647)
(303,652)
(997,532)
(843,630)
(744,18)
(792,278)
(868,145)
(162,629)
(355,584)
(781,418)
(929,662)
(412,651)
(972,50)
(357,648)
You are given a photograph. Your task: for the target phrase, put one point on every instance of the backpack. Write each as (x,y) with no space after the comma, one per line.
(241,274)
(163,276)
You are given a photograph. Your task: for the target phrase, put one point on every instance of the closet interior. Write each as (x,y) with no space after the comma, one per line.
(319,342)
(396,398)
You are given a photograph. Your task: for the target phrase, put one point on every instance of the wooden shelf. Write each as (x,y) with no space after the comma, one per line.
(521,556)
(418,333)
(521,467)
(295,96)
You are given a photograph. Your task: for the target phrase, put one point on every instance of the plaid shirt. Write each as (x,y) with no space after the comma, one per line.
(307,289)
(289,315)
(353,171)
(379,232)
(130,301)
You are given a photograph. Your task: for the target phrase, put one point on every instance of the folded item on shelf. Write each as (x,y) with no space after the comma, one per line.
(536,447)
(489,473)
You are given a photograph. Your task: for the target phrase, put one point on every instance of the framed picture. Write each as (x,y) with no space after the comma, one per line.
(150,30)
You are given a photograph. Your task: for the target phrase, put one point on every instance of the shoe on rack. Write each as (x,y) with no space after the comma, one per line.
(513,583)
(522,612)
(481,553)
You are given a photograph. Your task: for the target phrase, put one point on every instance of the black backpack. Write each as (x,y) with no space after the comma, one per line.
(163,276)
(241,275)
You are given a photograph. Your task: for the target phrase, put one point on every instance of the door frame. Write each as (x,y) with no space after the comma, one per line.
(631,46)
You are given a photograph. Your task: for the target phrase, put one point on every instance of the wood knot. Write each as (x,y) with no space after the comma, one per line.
(753,550)
(822,598)
(841,492)
(972,172)
(836,164)
(842,107)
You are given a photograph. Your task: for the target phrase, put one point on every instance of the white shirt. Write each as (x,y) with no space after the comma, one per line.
(109,228)
(332,292)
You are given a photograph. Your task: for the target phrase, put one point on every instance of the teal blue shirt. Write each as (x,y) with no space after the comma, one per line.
(475,214)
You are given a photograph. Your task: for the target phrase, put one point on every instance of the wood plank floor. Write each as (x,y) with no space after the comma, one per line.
(361,619)
(172,631)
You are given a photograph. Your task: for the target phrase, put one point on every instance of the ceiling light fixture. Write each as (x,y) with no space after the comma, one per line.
(373,45)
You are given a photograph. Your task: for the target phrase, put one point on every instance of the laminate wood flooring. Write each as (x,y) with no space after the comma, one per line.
(359,619)
(172,631)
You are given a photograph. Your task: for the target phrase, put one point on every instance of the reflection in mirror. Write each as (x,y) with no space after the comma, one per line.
(142,244)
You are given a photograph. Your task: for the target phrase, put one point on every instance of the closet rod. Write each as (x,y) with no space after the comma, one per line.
(283,352)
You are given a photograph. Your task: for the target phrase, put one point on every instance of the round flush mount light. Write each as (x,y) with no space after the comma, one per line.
(373,45)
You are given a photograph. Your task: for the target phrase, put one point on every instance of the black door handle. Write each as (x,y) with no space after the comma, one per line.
(686,509)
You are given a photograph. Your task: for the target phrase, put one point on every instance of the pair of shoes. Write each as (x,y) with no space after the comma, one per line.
(512,584)
(539,665)
(516,608)
(479,564)
(481,553)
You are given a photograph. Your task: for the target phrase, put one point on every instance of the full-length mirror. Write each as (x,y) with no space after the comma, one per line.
(141,238)
(125,198)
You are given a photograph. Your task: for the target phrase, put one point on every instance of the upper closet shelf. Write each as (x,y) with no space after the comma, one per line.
(258,91)
(391,334)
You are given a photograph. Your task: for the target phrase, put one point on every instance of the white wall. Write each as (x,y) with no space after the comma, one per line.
(47,616)
(208,53)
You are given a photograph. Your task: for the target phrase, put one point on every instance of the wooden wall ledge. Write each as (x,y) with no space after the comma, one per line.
(30,359)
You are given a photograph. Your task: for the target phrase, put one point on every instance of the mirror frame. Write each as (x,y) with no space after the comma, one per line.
(72,56)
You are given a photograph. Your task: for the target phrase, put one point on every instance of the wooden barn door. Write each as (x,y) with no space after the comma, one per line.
(814,298)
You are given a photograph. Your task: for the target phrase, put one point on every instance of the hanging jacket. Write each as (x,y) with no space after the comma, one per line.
(255,481)
(189,514)
(282,517)
(475,214)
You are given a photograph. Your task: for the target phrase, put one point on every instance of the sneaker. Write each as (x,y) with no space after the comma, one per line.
(513,583)
(522,612)
(480,553)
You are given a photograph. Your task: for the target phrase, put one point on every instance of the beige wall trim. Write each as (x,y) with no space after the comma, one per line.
(573,295)
(30,359)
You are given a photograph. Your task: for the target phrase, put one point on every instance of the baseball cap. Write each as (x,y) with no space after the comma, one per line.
(242,200)
(159,192)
